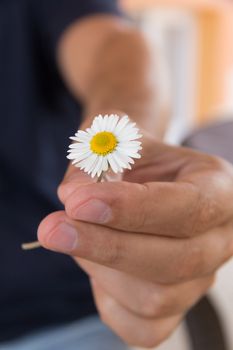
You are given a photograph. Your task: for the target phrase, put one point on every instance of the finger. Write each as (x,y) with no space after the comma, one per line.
(73,179)
(151,300)
(175,209)
(137,207)
(157,259)
(134,330)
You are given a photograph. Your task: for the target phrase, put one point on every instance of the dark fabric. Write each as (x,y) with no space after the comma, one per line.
(37,288)
(205,328)
(203,321)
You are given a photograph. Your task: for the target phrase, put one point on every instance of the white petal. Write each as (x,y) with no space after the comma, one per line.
(82,164)
(92,163)
(129,152)
(119,160)
(113,123)
(109,122)
(129,135)
(104,123)
(74,138)
(130,144)
(91,132)
(74,157)
(128,147)
(105,164)
(121,124)
(135,155)
(82,136)
(95,126)
(78,157)
(86,164)
(79,145)
(98,166)
(81,132)
(127,138)
(99,122)
(101,164)
(130,127)
(127,160)
(79,150)
(90,171)
(112,163)
(100,170)
(70,156)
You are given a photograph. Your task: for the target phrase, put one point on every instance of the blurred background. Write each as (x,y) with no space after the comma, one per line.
(194,40)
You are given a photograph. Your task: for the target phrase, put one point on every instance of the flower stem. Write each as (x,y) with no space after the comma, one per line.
(31,245)
(100,178)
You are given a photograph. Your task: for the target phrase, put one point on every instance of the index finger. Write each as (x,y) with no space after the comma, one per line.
(173,209)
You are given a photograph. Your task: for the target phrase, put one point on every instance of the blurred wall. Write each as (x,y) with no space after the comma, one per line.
(213,67)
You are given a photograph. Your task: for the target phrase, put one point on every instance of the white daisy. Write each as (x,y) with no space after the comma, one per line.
(110,142)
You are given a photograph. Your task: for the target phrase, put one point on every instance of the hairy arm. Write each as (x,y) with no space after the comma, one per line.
(107,64)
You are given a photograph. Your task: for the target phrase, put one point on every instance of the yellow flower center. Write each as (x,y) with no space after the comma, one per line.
(103,143)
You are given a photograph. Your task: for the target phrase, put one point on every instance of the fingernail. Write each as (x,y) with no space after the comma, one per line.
(64,238)
(94,211)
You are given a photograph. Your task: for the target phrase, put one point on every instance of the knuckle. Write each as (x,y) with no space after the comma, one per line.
(64,190)
(137,194)
(231,246)
(221,164)
(192,263)
(214,162)
(228,243)
(209,209)
(154,335)
(61,190)
(150,341)
(113,255)
(103,316)
(105,308)
(212,205)
(141,219)
(189,227)
(101,246)
(147,337)
(205,210)
(156,305)
(211,281)
(142,338)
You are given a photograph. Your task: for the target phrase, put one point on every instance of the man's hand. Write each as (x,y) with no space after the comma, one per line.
(151,243)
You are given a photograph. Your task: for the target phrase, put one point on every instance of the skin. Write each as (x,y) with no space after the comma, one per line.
(151,243)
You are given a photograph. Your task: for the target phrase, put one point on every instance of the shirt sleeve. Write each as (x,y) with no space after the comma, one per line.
(55,16)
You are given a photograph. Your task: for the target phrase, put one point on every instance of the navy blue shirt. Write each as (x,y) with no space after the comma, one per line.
(37,288)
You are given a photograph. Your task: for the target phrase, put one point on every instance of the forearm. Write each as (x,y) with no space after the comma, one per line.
(124,80)
(119,77)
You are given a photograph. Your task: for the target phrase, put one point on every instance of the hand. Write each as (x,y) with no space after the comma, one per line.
(152,243)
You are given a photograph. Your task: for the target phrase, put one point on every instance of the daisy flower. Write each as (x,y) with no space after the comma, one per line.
(110,143)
